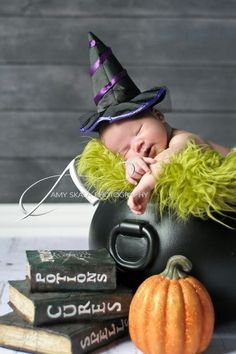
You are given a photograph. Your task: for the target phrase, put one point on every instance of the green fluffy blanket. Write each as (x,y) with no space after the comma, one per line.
(196,182)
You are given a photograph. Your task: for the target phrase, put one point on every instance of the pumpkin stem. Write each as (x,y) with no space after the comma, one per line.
(172,270)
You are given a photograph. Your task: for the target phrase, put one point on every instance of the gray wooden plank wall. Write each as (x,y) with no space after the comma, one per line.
(44,84)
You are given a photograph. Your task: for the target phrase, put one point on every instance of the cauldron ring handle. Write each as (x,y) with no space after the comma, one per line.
(133,228)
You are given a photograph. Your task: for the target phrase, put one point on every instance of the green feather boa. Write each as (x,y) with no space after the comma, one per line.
(196,182)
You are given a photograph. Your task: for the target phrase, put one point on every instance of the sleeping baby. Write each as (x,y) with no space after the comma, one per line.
(146,142)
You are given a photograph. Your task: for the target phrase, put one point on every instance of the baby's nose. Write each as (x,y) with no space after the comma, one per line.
(138,145)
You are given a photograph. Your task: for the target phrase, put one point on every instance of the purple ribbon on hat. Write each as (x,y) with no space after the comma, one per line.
(100,61)
(108,86)
(161,91)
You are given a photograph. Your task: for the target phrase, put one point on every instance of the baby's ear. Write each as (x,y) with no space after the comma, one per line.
(158,114)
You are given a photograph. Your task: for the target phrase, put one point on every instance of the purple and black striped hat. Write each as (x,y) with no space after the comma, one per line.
(115,94)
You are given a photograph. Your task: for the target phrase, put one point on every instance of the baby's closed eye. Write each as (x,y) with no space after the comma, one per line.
(139,129)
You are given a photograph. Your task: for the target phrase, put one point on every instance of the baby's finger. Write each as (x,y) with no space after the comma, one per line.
(134,208)
(131,180)
(134,170)
(138,171)
(135,177)
(130,204)
(136,174)
(130,168)
(143,166)
(135,200)
(149,159)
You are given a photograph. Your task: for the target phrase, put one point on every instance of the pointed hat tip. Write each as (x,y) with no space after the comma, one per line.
(94,40)
(91,36)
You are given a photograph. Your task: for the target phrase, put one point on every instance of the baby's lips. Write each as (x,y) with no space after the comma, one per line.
(148,148)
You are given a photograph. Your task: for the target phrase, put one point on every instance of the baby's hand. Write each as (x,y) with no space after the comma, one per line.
(138,199)
(136,167)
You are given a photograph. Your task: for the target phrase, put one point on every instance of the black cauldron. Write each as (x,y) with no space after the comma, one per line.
(141,246)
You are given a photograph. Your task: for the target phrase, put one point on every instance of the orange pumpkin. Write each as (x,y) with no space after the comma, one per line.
(172,313)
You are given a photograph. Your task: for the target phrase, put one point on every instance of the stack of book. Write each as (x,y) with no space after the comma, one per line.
(69,303)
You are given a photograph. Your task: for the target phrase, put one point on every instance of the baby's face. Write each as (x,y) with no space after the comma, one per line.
(143,136)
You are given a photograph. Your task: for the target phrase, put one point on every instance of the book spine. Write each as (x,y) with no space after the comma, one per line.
(72,278)
(102,334)
(106,306)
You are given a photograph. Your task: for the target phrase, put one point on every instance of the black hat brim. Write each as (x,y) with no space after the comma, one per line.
(123,110)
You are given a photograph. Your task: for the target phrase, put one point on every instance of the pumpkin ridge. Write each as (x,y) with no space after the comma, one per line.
(174,315)
(140,307)
(139,332)
(205,302)
(192,313)
(182,293)
(149,306)
(191,283)
(164,283)
(165,331)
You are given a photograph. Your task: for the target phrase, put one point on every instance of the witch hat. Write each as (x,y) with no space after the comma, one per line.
(115,94)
